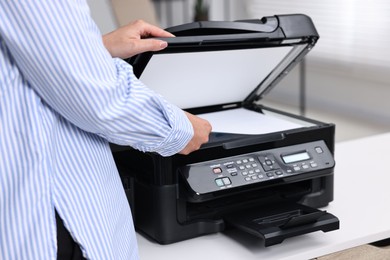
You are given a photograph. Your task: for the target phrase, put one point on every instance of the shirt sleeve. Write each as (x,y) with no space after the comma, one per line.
(59,51)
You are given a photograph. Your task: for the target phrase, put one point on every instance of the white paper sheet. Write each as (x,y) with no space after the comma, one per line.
(244,121)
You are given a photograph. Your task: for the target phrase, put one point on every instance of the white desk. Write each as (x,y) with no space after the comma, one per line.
(362,193)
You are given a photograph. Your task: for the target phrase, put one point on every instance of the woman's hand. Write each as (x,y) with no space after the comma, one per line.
(202,130)
(130,40)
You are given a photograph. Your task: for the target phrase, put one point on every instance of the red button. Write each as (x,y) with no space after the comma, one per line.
(217,170)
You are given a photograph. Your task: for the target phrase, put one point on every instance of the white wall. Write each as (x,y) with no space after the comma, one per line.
(329,90)
(102,13)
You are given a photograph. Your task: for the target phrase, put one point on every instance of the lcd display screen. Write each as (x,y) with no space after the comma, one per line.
(296,157)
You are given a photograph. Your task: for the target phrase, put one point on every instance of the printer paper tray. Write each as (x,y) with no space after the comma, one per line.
(274,223)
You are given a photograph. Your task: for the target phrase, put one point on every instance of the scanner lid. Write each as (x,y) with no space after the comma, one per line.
(218,63)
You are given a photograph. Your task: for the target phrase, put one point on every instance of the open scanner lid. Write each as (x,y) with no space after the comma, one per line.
(219,63)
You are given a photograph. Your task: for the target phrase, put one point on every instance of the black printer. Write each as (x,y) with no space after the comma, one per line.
(264,171)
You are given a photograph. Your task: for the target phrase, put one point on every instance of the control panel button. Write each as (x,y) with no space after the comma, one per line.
(217,170)
(319,149)
(268,162)
(219,182)
(223,181)
(226,181)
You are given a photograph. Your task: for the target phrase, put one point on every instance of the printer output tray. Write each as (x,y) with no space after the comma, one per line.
(274,223)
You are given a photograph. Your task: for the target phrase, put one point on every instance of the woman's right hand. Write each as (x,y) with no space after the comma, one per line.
(202,129)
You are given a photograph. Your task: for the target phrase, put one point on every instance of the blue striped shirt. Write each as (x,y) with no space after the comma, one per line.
(62,99)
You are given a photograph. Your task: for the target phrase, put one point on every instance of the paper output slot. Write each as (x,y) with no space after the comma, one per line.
(303,219)
(290,219)
(277,218)
(280,221)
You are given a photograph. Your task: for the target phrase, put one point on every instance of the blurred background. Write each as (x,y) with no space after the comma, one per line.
(344,80)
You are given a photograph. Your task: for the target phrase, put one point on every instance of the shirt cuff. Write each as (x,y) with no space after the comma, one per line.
(180,135)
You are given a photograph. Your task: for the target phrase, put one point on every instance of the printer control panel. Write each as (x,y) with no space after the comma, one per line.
(262,166)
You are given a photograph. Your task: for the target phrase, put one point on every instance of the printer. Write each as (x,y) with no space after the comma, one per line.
(264,171)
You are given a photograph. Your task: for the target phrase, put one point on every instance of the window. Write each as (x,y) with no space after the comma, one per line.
(354,34)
